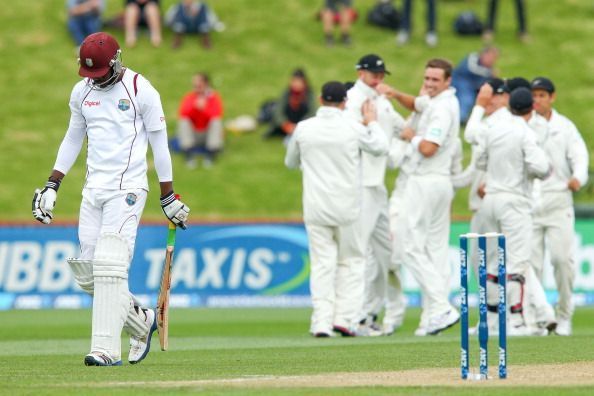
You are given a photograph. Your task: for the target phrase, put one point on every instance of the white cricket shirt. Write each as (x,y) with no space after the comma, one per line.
(510,155)
(117,123)
(374,167)
(439,122)
(328,148)
(567,152)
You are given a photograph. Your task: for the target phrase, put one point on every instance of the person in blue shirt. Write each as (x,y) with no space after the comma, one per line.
(470,74)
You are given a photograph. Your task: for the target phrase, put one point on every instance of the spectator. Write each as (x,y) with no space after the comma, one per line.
(84,18)
(470,74)
(345,16)
(296,104)
(200,127)
(403,36)
(488,35)
(192,16)
(142,13)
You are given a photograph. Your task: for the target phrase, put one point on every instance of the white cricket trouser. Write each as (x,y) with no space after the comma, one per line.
(118,212)
(427,200)
(104,211)
(510,214)
(376,237)
(554,224)
(337,275)
(395,298)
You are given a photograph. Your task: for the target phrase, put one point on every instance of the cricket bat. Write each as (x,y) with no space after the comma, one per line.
(163,299)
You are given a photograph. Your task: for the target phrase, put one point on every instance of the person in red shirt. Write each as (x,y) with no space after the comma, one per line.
(200,127)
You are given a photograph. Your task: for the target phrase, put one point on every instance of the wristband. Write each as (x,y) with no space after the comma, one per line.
(416,141)
(167,198)
(54,184)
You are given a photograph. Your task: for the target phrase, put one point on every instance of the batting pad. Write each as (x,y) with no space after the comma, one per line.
(83,273)
(112,301)
(135,322)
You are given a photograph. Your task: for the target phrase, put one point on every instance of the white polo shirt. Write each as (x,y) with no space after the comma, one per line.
(374,168)
(116,122)
(439,122)
(328,149)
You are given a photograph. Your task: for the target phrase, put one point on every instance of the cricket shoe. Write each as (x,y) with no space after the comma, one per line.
(343,331)
(100,359)
(323,334)
(371,330)
(525,331)
(421,331)
(389,328)
(140,346)
(563,327)
(442,322)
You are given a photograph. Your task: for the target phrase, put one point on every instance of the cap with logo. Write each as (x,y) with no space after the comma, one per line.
(97,55)
(333,92)
(543,83)
(520,100)
(372,63)
(498,85)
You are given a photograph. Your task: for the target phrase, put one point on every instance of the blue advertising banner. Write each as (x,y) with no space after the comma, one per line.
(215,266)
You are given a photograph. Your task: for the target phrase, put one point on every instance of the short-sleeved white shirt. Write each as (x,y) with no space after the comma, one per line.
(117,122)
(439,122)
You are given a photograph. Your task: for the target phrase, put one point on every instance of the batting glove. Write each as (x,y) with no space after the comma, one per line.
(175,210)
(44,201)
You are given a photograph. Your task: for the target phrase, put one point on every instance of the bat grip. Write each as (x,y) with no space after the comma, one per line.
(171,234)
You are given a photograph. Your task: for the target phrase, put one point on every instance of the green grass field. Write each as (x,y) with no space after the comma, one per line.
(249,63)
(41,352)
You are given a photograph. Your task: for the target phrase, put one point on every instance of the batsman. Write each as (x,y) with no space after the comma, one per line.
(119,113)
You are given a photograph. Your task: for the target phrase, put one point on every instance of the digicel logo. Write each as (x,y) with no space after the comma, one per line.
(91,103)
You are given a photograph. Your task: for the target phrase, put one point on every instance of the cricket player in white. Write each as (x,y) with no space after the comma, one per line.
(328,148)
(429,191)
(119,113)
(553,217)
(510,156)
(371,70)
(491,103)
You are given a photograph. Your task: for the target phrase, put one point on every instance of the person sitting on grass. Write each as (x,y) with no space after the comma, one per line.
(192,17)
(200,126)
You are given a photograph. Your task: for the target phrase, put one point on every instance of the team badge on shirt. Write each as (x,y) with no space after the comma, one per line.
(124,104)
(131,199)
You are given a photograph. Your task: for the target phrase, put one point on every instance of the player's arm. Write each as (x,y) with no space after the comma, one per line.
(579,159)
(474,126)
(372,138)
(293,155)
(406,100)
(153,117)
(535,158)
(44,200)
(175,210)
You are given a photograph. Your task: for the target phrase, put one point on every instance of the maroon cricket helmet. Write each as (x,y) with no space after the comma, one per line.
(97,55)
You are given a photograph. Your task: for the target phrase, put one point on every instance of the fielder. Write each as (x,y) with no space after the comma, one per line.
(554,217)
(120,114)
(371,71)
(328,148)
(429,191)
(510,156)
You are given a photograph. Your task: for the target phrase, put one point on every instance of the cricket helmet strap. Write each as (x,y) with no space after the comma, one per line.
(99,55)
